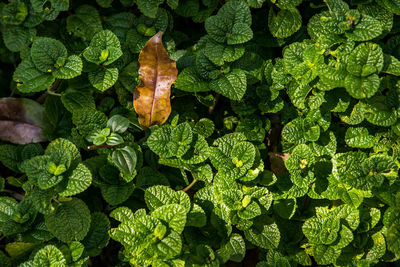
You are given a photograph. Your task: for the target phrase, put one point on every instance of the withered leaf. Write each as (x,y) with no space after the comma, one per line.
(278,162)
(157,72)
(21,121)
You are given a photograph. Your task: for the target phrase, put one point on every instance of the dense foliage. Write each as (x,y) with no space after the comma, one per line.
(282,147)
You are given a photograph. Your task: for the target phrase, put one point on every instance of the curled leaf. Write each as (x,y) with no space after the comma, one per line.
(157,72)
(21,121)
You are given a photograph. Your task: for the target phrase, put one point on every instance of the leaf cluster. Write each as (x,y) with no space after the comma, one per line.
(282,147)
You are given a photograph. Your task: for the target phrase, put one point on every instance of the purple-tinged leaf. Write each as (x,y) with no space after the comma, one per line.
(21,121)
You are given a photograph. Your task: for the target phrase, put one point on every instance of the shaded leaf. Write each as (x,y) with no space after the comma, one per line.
(21,121)
(70,221)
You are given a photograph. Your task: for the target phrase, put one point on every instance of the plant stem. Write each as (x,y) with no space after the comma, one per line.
(13,91)
(101,146)
(190,185)
(50,91)
(15,195)
(18,196)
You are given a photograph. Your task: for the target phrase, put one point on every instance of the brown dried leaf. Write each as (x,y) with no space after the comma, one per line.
(277,160)
(157,73)
(21,121)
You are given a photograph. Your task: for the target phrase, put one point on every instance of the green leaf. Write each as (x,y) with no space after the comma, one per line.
(312,229)
(190,81)
(365,59)
(122,214)
(302,60)
(173,4)
(47,53)
(76,248)
(30,79)
(255,3)
(196,217)
(300,164)
(379,112)
(49,256)
(377,168)
(378,249)
(244,154)
(42,200)
(300,130)
(393,6)
(85,23)
(10,157)
(115,194)
(233,85)
(391,65)
(174,215)
(19,249)
(229,53)
(158,141)
(325,254)
(237,11)
(359,137)
(330,77)
(114,139)
(249,212)
(285,208)
(354,115)
(118,123)
(218,27)
(337,8)
(181,137)
(79,181)
(205,127)
(14,13)
(393,243)
(362,87)
(188,8)
(57,5)
(232,159)
(240,33)
(285,23)
(346,166)
(104,48)
(221,27)
(103,78)
(345,238)
(235,248)
(265,235)
(170,246)
(16,38)
(8,206)
(148,177)
(104,3)
(62,145)
(149,7)
(125,159)
(367,29)
(160,195)
(70,221)
(71,68)
(88,119)
(97,237)
(75,100)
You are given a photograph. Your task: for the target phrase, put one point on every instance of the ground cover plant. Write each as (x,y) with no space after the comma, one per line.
(199,133)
